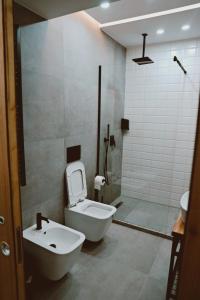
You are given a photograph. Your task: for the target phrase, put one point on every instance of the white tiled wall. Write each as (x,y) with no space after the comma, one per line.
(161,104)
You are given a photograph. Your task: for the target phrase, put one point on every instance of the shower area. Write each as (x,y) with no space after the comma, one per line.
(148,166)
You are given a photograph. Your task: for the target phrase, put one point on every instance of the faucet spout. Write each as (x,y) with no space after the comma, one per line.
(39,219)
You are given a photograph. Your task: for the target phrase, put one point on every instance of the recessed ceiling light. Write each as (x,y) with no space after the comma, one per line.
(105,4)
(185,27)
(160,31)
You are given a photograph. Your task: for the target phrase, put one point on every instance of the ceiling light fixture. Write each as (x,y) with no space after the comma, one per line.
(185,27)
(160,31)
(153,15)
(105,4)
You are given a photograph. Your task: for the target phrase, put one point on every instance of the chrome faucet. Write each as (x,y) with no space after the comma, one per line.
(39,219)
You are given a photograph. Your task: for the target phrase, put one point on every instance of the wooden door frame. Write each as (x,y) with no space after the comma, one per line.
(9,175)
(6,230)
(189,287)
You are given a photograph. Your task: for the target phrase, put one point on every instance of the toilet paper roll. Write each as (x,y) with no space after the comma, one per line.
(99,181)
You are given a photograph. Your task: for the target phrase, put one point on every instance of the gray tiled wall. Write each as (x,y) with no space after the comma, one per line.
(60,60)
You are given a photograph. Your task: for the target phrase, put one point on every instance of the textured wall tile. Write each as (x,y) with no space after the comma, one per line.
(44,171)
(60,60)
(42,48)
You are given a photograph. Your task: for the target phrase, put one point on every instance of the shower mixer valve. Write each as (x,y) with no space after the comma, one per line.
(112,141)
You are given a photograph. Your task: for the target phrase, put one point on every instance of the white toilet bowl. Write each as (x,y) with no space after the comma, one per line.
(90,217)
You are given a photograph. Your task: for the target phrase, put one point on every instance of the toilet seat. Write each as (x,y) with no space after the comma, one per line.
(94,209)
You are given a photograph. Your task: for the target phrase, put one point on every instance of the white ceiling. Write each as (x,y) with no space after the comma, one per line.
(132,8)
(129,34)
(55,8)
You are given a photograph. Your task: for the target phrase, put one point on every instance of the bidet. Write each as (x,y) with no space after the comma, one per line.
(54,249)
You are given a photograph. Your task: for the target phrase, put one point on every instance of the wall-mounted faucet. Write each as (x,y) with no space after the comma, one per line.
(39,219)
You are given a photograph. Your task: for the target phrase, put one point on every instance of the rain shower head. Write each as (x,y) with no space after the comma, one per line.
(144,59)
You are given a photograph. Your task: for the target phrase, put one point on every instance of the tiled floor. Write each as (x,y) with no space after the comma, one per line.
(146,214)
(126,265)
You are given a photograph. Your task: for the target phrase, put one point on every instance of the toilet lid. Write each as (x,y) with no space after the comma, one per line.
(76,182)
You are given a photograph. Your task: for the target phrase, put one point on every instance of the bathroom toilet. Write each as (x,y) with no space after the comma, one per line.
(90,217)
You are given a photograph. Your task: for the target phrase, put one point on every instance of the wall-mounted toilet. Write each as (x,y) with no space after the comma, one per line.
(90,217)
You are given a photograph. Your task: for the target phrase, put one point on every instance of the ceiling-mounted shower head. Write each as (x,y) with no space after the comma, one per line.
(144,59)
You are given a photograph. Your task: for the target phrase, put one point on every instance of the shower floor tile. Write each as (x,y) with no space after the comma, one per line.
(146,214)
(126,207)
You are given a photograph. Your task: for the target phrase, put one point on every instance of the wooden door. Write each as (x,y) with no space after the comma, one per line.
(11,257)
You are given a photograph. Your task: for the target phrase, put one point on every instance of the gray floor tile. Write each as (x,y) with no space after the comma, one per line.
(160,267)
(153,289)
(125,265)
(149,215)
(130,202)
(122,212)
(146,214)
